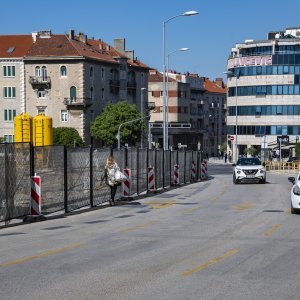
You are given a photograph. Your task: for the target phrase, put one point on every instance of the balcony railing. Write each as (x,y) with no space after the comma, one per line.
(77,102)
(40,81)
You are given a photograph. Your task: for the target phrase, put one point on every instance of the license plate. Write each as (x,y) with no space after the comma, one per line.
(250,176)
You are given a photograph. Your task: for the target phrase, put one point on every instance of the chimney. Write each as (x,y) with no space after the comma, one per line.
(130,54)
(219,82)
(82,37)
(34,36)
(71,34)
(119,45)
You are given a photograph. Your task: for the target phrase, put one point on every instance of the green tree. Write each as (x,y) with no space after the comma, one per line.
(251,151)
(66,136)
(297,149)
(223,147)
(105,126)
(1,139)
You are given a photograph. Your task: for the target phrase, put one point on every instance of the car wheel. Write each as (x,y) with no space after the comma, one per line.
(234,179)
(263,180)
(293,211)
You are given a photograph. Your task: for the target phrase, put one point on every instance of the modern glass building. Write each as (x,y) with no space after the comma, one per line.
(264,92)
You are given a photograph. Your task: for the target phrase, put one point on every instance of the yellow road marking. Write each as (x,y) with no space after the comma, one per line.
(214,200)
(130,229)
(211,262)
(242,206)
(26,259)
(191,210)
(160,204)
(272,230)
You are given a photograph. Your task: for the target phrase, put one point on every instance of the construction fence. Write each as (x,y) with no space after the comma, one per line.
(71,178)
(282,167)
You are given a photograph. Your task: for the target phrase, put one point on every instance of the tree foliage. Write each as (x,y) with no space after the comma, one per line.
(66,136)
(1,139)
(105,126)
(297,149)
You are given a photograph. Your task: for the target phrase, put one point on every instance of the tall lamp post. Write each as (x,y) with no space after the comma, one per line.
(165,124)
(142,112)
(167,93)
(232,74)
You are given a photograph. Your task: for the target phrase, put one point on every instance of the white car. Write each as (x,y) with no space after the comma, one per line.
(249,169)
(295,194)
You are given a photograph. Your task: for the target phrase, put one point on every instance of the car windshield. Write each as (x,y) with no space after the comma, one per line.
(248,162)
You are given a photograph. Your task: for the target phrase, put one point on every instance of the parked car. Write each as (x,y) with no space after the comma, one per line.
(295,194)
(249,169)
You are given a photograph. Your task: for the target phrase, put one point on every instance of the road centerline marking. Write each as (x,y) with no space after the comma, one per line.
(134,228)
(211,262)
(39,255)
(272,230)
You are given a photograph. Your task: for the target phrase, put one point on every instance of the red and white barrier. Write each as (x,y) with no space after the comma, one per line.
(176,174)
(35,203)
(151,179)
(126,183)
(203,170)
(194,171)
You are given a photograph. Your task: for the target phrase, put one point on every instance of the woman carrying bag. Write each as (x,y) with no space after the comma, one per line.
(113,177)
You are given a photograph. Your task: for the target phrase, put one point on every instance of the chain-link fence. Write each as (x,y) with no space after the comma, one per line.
(71,178)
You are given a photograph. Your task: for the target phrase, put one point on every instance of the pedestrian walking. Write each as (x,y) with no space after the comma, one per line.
(225,157)
(111,171)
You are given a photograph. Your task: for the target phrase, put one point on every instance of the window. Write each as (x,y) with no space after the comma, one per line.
(44,73)
(91,93)
(91,72)
(102,93)
(73,92)
(8,138)
(40,111)
(63,71)
(9,115)
(37,71)
(9,92)
(9,71)
(102,73)
(41,93)
(64,115)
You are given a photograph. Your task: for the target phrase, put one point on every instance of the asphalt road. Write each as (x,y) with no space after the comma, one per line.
(208,240)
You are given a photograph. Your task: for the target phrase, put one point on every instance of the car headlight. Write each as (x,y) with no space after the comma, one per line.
(238,171)
(262,171)
(296,190)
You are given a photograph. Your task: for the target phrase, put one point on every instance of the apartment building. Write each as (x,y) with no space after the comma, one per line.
(68,77)
(196,111)
(264,91)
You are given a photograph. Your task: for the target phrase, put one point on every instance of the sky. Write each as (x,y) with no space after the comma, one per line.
(210,35)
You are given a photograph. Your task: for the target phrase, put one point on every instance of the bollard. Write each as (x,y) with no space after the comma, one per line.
(151,179)
(194,172)
(176,174)
(203,170)
(126,183)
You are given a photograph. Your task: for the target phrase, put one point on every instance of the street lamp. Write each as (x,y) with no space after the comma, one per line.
(236,108)
(142,111)
(167,93)
(165,125)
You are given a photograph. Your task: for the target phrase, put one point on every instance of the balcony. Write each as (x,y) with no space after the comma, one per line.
(40,81)
(75,102)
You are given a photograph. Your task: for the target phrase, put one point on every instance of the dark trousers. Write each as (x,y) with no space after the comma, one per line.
(113,190)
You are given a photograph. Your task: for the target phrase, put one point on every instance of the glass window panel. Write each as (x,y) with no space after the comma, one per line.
(254,70)
(290,109)
(258,70)
(5,115)
(274,59)
(285,69)
(296,79)
(250,71)
(291,59)
(279,90)
(273,113)
(4,71)
(8,71)
(297,69)
(280,70)
(264,70)
(274,70)
(269,70)
(296,109)
(286,59)
(297,59)
(264,110)
(296,89)
(274,89)
(291,69)
(284,130)
(285,89)
(284,109)
(278,129)
(269,89)
(291,89)
(13,73)
(280,59)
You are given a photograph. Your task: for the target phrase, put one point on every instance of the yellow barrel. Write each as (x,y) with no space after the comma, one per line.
(42,130)
(23,128)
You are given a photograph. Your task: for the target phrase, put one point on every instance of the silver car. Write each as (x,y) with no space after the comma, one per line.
(249,169)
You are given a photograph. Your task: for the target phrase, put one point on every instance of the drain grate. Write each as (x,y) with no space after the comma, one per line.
(124,216)
(57,227)
(13,233)
(94,222)
(274,210)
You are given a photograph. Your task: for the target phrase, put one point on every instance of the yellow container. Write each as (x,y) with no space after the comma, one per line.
(23,128)
(42,130)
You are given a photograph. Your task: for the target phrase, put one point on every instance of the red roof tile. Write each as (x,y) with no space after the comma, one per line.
(18,43)
(213,87)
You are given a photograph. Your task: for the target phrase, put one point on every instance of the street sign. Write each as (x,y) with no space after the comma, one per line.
(283,139)
(231,137)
